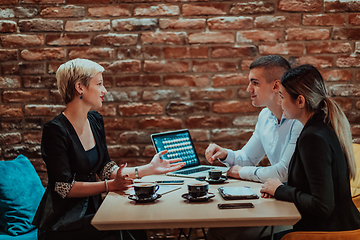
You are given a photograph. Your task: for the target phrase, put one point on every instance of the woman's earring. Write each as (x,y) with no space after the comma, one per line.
(81,95)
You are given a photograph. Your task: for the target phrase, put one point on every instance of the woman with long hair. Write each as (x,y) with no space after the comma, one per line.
(323,162)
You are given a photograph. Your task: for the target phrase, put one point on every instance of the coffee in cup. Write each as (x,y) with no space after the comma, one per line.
(215,174)
(198,189)
(145,190)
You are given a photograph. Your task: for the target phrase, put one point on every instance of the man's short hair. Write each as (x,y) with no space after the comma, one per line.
(73,71)
(275,66)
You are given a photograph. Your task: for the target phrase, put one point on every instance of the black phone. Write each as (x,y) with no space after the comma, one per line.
(235,205)
(170,182)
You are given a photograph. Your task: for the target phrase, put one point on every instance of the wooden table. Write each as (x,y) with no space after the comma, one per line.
(117,212)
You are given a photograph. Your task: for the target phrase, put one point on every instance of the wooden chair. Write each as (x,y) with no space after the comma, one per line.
(340,235)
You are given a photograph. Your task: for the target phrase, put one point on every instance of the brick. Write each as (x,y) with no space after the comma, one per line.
(163,94)
(149,151)
(134,137)
(230,23)
(211,37)
(250,120)
(39,82)
(123,151)
(28,151)
(259,36)
(164,37)
(205,9)
(336,75)
(107,110)
(68,11)
(140,52)
(324,20)
(231,134)
(258,7)
(222,80)
(87,25)
(41,1)
(43,54)
(277,21)
(139,109)
(126,66)
(242,93)
(39,165)
(7,82)
(7,13)
(186,80)
(341,6)
(281,48)
(68,40)
(134,24)
(185,52)
(160,123)
(357,48)
(112,39)
(207,122)
(188,24)
(140,80)
(40,25)
(165,66)
(8,55)
(10,111)
(296,34)
(200,135)
(348,61)
(346,34)
(110,11)
(211,94)
(55,97)
(233,107)
(328,47)
(32,137)
(114,124)
(355,130)
(43,110)
(7,26)
(300,5)
(344,90)
(233,52)
(9,2)
(25,96)
(344,103)
(21,40)
(122,96)
(185,108)
(11,124)
(245,64)
(156,10)
(91,53)
(358,76)
(317,61)
(213,66)
(354,19)
(26,12)
(90,1)
(24,68)
(10,138)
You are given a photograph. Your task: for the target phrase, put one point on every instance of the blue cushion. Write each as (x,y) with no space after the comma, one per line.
(20,194)
(32,235)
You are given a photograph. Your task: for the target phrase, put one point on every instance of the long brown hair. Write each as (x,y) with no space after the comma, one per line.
(307,81)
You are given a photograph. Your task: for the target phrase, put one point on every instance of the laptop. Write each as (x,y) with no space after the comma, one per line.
(180,145)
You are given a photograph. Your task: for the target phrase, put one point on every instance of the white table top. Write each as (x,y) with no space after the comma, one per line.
(172,211)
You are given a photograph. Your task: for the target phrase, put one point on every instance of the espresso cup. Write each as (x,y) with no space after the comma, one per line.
(215,174)
(145,190)
(198,189)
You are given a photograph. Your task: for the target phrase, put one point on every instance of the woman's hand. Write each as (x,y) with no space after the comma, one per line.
(269,187)
(160,166)
(120,182)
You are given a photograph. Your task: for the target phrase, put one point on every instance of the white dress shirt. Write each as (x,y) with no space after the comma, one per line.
(276,140)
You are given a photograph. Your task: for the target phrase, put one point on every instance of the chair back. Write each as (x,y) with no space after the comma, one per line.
(338,235)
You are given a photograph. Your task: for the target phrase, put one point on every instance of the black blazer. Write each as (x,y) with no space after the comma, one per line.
(66,161)
(319,182)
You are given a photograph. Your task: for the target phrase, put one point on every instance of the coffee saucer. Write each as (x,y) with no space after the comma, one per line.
(198,199)
(145,200)
(213,181)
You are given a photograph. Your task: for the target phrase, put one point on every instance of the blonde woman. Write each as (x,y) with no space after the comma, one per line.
(74,149)
(323,161)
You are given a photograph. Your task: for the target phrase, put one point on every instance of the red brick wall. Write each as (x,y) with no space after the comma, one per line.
(170,64)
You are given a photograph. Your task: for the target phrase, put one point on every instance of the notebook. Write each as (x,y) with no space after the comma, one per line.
(180,145)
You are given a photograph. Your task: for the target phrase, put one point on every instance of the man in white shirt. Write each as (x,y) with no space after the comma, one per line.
(274,136)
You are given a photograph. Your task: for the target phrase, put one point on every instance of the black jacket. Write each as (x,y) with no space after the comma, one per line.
(66,160)
(319,182)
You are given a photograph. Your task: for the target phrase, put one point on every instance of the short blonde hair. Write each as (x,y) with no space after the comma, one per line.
(72,72)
